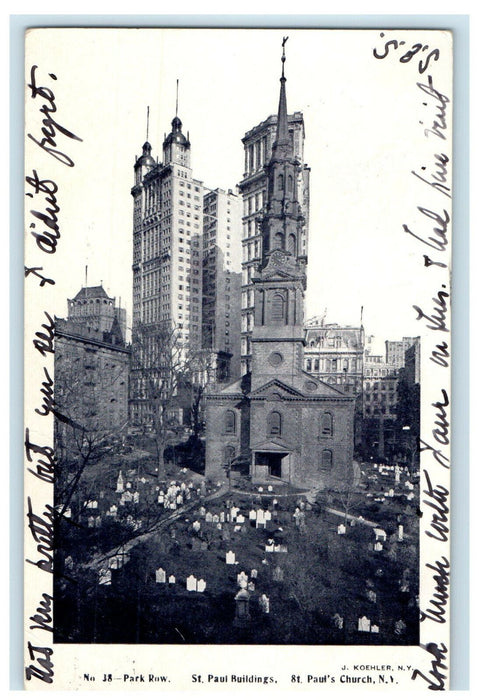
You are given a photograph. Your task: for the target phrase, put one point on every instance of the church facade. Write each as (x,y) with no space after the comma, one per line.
(285,423)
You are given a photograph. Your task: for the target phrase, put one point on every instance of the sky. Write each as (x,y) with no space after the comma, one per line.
(363,138)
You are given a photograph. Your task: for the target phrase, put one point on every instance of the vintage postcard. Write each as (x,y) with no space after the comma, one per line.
(237,359)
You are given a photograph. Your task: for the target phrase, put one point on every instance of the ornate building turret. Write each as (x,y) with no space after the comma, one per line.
(176,146)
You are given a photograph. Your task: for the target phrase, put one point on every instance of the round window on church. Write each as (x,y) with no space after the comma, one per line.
(310,386)
(275,359)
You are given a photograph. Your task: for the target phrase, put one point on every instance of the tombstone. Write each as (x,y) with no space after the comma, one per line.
(216,518)
(338,621)
(202,511)
(98,521)
(391,493)
(128,485)
(264,603)
(136,497)
(234,512)
(267,515)
(260,489)
(410,496)
(171,580)
(251,586)
(120,486)
(196,526)
(341,529)
(91,504)
(113,563)
(161,497)
(371,596)
(230,558)
(364,624)
(400,533)
(238,528)
(252,515)
(278,574)
(241,577)
(240,518)
(191,583)
(91,521)
(270,488)
(209,518)
(254,573)
(173,505)
(375,629)
(160,575)
(127,497)
(222,517)
(378,547)
(179,499)
(242,615)
(203,488)
(380,534)
(269,546)
(201,586)
(397,474)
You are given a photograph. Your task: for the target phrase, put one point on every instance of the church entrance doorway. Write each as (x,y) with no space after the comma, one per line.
(272,464)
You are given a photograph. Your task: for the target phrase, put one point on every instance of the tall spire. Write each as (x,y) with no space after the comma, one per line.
(282,135)
(176,112)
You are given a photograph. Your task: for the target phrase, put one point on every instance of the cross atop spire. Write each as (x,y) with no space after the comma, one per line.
(282,136)
(283,57)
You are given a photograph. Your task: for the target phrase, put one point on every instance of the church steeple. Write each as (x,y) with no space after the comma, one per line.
(282,133)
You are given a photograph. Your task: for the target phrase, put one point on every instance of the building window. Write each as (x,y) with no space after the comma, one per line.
(326,425)
(326,460)
(277,309)
(230,423)
(274,423)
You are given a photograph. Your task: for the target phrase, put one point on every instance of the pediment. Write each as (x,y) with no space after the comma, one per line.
(276,445)
(275,386)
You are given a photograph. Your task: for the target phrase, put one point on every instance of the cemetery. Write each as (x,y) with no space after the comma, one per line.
(185,560)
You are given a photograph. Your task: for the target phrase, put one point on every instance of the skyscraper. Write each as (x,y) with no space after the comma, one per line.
(258,145)
(167,248)
(222,276)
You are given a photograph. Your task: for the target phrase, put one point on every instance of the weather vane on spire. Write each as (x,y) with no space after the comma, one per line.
(283,57)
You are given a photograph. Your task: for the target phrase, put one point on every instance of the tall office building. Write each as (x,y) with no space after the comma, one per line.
(222,279)
(258,148)
(167,249)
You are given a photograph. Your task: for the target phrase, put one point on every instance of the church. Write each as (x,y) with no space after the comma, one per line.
(285,423)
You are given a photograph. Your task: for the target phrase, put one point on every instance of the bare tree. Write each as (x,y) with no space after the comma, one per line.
(166,372)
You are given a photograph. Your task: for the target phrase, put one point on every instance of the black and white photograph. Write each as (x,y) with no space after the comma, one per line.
(237,357)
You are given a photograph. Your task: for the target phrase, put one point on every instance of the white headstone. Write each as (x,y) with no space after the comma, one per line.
(208,517)
(160,575)
(254,573)
(364,624)
(230,557)
(341,529)
(252,515)
(374,629)
(400,533)
(201,586)
(171,579)
(191,583)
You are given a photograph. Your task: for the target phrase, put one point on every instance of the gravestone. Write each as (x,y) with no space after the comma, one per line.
(338,621)
(341,529)
(378,547)
(230,558)
(196,526)
(254,573)
(241,577)
(252,515)
(216,518)
(278,574)
(222,517)
(208,517)
(120,487)
(264,603)
(374,629)
(400,533)
(242,614)
(191,583)
(171,579)
(364,624)
(160,575)
(251,586)
(201,586)
(371,596)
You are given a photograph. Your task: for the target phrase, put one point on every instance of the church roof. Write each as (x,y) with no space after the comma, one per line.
(302,385)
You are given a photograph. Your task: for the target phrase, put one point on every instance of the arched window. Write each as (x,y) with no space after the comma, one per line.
(279,240)
(316,365)
(326,429)
(274,423)
(230,423)
(308,365)
(277,309)
(326,460)
(292,243)
(290,183)
(280,182)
